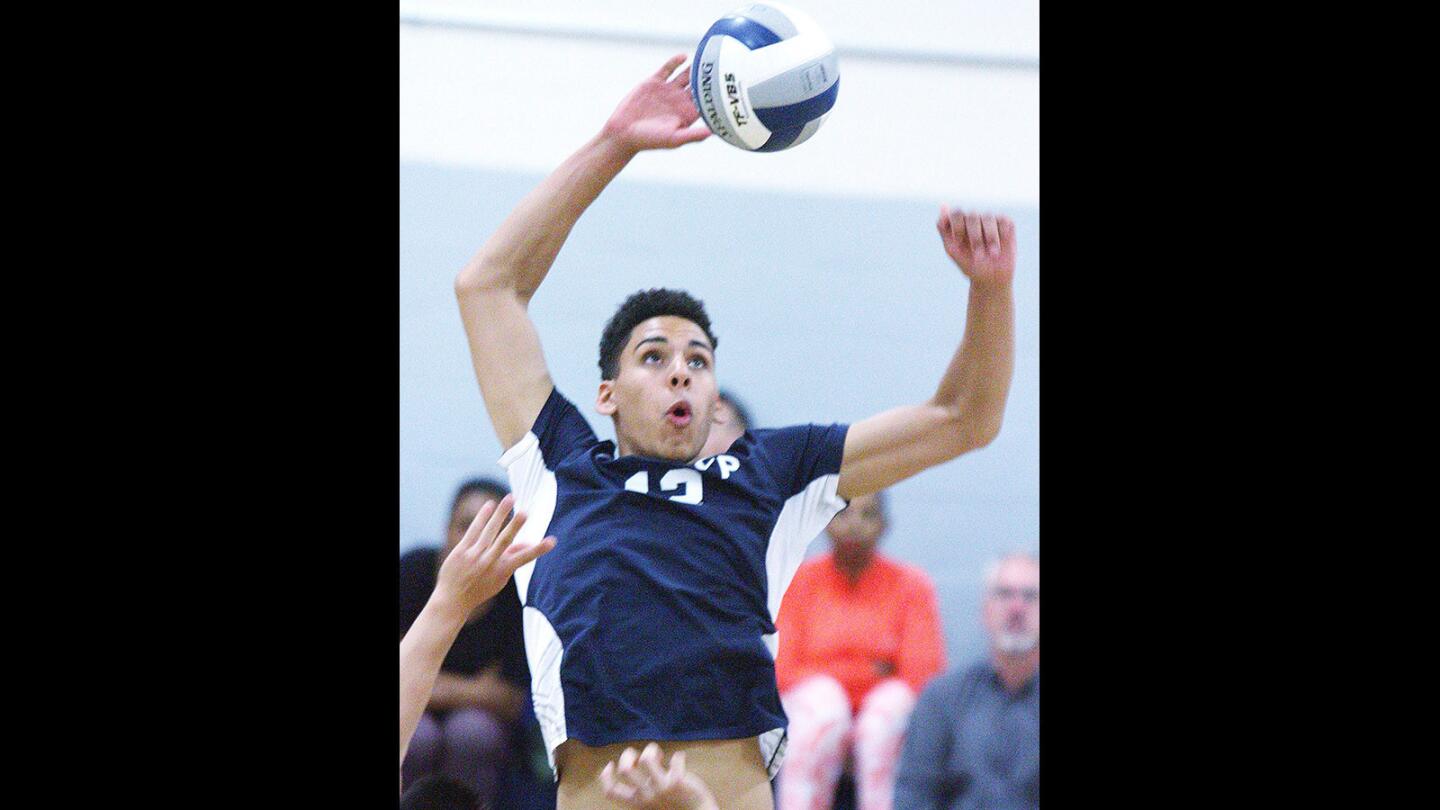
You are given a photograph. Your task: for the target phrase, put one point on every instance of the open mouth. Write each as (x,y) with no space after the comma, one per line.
(679,414)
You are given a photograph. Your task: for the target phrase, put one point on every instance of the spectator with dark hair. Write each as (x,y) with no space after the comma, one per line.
(480,691)
(859,638)
(974,739)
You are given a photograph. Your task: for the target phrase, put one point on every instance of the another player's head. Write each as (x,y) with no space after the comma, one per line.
(731,420)
(856,530)
(469,499)
(1012,605)
(657,375)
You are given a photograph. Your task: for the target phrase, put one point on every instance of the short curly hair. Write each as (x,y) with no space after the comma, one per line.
(641,307)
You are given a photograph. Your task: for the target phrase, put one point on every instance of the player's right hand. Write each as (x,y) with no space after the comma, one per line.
(659,113)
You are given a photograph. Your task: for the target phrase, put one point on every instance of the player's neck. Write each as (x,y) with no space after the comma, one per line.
(624,448)
(854,564)
(1016,670)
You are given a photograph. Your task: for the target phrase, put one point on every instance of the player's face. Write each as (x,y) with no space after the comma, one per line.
(663,398)
(1012,607)
(857,527)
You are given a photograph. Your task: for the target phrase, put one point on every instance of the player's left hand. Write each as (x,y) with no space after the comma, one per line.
(983,245)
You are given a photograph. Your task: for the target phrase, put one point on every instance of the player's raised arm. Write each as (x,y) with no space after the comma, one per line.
(967,408)
(495,287)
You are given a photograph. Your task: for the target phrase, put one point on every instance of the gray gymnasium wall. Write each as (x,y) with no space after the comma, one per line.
(826,309)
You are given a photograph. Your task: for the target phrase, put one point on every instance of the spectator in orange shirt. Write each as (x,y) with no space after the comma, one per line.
(859,639)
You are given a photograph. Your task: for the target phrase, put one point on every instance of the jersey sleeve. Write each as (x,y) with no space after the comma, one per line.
(804,462)
(559,432)
(800,455)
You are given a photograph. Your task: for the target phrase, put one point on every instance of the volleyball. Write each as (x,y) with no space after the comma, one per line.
(764,77)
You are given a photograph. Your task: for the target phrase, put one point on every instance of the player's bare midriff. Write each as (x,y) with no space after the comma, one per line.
(732,769)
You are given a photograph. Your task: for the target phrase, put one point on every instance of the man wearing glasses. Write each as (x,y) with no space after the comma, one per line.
(974,737)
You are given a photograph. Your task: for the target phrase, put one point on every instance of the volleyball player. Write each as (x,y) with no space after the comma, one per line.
(653,618)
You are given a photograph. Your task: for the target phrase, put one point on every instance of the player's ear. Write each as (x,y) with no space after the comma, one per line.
(605,399)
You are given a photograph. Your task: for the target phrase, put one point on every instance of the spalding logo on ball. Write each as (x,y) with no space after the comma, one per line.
(764,77)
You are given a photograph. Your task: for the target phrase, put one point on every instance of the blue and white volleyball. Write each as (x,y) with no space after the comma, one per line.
(765,77)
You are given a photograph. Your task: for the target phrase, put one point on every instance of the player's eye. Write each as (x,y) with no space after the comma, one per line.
(650,357)
(698,362)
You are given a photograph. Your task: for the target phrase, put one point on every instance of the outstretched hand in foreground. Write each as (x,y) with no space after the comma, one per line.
(639,781)
(484,559)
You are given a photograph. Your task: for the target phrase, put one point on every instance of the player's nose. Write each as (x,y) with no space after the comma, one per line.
(680,377)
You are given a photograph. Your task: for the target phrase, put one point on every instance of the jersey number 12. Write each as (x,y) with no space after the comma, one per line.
(674,479)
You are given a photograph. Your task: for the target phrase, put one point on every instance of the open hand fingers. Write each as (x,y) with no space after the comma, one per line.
(496,546)
(1007,234)
(677,767)
(520,555)
(614,788)
(682,78)
(632,776)
(663,74)
(952,232)
(690,134)
(477,526)
(650,763)
(977,240)
(992,234)
(974,234)
(491,525)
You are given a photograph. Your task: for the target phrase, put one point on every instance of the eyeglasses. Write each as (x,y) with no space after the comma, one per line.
(1029,595)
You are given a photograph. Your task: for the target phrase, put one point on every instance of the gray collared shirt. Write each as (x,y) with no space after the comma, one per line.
(972,745)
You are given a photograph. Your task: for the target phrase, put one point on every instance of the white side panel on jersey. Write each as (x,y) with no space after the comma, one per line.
(544,652)
(805,515)
(535,491)
(772,749)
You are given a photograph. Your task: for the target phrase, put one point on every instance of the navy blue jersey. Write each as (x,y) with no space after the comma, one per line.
(653,617)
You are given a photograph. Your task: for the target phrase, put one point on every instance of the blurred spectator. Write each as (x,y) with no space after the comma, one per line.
(859,638)
(480,692)
(974,739)
(731,422)
(436,792)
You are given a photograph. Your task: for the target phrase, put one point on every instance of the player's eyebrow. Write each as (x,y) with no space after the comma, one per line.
(699,343)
